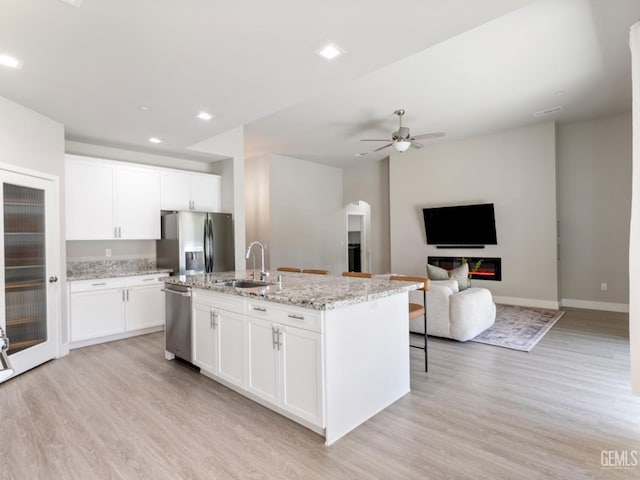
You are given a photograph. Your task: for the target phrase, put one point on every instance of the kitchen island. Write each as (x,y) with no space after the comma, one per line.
(328,352)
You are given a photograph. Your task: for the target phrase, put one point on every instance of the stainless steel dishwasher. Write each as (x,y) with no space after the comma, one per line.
(178,320)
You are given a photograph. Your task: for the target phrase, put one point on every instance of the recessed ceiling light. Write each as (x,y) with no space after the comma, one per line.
(330,51)
(361,154)
(75,3)
(144,108)
(11,62)
(155,140)
(205,116)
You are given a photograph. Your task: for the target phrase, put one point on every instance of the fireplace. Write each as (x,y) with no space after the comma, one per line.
(490,268)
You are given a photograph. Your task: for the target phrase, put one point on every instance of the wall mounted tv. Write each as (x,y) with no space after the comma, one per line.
(461,225)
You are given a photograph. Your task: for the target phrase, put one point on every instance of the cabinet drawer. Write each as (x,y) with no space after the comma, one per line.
(142,280)
(96,284)
(231,303)
(293,316)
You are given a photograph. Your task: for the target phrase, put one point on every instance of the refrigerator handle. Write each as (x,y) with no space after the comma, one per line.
(211,244)
(205,241)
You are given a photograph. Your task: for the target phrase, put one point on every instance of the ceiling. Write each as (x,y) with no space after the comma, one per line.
(461,66)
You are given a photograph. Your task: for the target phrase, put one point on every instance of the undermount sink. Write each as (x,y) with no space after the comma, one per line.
(242,284)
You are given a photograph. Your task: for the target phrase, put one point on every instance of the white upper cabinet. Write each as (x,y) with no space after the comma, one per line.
(107,200)
(137,201)
(89,200)
(199,192)
(175,190)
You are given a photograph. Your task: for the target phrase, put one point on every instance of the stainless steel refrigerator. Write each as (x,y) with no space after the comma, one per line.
(196,242)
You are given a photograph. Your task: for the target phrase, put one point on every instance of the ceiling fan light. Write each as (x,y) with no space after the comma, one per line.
(401,145)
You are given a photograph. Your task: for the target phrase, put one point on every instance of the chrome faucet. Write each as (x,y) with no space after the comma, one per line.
(263,272)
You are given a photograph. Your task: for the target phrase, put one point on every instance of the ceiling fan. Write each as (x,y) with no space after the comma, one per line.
(401,139)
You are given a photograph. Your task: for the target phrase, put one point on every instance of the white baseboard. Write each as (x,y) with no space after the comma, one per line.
(117,336)
(589,305)
(527,302)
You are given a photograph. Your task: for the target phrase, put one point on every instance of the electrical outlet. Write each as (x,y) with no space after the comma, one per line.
(603,287)
(107,252)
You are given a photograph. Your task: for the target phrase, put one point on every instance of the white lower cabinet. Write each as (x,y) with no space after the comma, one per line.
(219,343)
(101,308)
(285,368)
(97,313)
(219,339)
(274,353)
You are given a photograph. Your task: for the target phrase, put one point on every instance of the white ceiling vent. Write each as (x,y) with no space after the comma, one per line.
(548,111)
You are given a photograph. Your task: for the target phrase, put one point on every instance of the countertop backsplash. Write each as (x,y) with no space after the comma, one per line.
(111,268)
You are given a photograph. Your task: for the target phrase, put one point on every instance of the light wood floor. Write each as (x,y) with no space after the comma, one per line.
(119,410)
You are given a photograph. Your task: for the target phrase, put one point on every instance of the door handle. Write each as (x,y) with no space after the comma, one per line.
(53,279)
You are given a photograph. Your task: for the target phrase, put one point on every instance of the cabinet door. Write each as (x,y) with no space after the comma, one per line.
(263,360)
(301,356)
(97,314)
(137,203)
(144,307)
(205,192)
(203,340)
(89,202)
(175,190)
(230,346)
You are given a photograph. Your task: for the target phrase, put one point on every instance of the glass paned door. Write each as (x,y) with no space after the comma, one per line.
(24,267)
(29,259)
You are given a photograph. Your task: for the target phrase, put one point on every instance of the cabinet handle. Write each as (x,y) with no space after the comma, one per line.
(296,317)
(115,232)
(259,309)
(211,319)
(119,232)
(274,336)
(279,341)
(98,284)
(127,295)
(123,295)
(148,279)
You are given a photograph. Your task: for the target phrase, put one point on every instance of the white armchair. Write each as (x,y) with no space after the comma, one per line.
(454,314)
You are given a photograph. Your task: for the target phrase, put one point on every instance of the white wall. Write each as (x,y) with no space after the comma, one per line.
(515,170)
(256,201)
(32,141)
(230,145)
(307,223)
(634,235)
(594,209)
(370,182)
(295,208)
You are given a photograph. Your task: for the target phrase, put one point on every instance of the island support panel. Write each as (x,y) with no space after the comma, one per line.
(367,361)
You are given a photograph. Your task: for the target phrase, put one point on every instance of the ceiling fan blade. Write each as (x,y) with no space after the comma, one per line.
(415,144)
(381,148)
(374,140)
(429,135)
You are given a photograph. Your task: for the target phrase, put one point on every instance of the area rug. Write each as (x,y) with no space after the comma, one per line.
(519,328)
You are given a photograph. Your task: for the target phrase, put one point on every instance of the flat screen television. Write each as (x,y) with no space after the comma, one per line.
(464,225)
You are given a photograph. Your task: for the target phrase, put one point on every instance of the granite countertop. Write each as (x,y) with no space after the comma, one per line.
(318,292)
(92,270)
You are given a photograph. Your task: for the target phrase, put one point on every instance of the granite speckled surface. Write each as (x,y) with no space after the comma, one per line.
(112,268)
(318,292)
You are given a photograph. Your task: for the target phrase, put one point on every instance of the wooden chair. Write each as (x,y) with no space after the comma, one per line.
(416,310)
(316,271)
(357,274)
(289,269)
